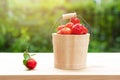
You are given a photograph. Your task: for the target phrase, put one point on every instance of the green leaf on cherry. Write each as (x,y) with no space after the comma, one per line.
(26,55)
(25,62)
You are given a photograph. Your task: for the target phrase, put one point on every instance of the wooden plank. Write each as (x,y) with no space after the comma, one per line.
(60,77)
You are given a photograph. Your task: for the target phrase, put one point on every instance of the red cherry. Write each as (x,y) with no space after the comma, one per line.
(60,27)
(84,30)
(69,25)
(79,29)
(74,20)
(65,30)
(59,32)
(31,63)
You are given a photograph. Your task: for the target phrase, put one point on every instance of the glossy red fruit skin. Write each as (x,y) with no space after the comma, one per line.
(69,25)
(65,30)
(59,32)
(79,29)
(85,30)
(31,63)
(60,27)
(74,20)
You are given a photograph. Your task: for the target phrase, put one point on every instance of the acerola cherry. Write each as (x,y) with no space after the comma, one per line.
(69,25)
(60,27)
(74,20)
(31,63)
(79,29)
(65,30)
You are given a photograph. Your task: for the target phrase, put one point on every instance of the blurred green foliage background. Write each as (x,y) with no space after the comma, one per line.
(29,23)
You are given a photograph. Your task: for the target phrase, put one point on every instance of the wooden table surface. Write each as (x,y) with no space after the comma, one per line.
(100,66)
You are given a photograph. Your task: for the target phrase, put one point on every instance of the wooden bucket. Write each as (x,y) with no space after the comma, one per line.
(70,51)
